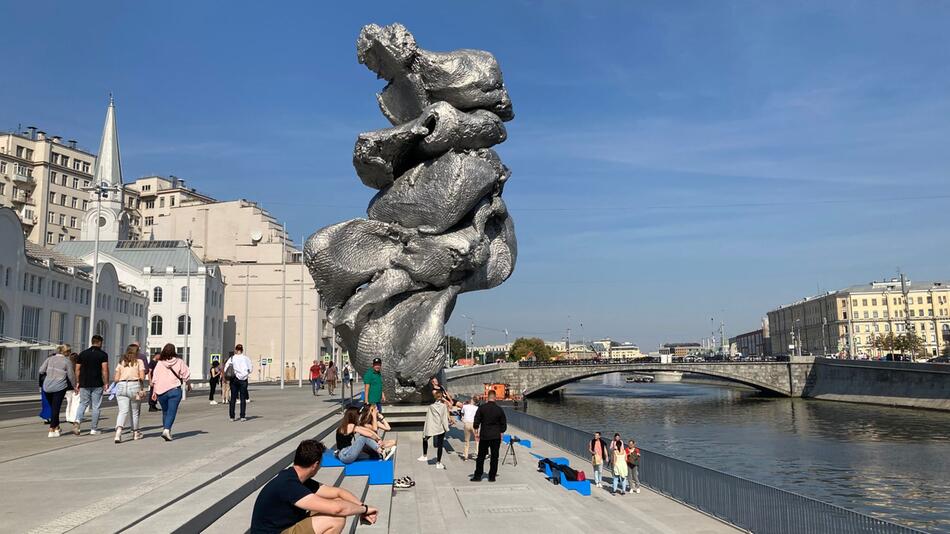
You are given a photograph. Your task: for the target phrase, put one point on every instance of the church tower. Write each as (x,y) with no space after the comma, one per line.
(109,212)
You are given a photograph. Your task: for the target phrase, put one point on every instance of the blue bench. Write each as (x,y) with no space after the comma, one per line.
(580,486)
(379,472)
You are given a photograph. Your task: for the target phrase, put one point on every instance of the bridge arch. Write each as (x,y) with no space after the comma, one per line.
(545,386)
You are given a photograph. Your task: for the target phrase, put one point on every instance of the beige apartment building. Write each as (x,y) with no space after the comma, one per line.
(847,321)
(152,197)
(267,283)
(42,180)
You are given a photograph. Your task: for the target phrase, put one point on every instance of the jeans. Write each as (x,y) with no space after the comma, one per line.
(125,397)
(238,391)
(169,401)
(623,484)
(356,450)
(598,469)
(56,404)
(634,476)
(315,385)
(484,446)
(89,397)
(438,441)
(213,385)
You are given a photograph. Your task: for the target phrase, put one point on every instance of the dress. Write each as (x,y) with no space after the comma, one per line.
(620,462)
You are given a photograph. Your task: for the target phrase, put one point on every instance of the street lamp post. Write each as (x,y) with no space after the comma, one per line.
(101,189)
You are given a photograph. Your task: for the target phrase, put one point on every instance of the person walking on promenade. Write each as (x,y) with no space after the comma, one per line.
(130,391)
(354,442)
(373,385)
(468,420)
(45,409)
(330,376)
(633,465)
(490,423)
(293,503)
(315,384)
(152,362)
(169,375)
(436,426)
(58,375)
(241,366)
(214,375)
(72,398)
(598,449)
(618,455)
(347,378)
(92,372)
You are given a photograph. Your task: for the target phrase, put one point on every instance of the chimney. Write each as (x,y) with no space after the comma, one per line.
(72,143)
(40,135)
(32,130)
(57,139)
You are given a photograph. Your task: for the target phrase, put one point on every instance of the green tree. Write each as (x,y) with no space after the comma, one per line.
(457,348)
(523,346)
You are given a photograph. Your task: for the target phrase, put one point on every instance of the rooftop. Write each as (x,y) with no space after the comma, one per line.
(137,254)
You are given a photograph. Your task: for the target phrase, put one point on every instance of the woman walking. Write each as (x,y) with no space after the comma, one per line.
(618,451)
(169,375)
(59,376)
(215,374)
(129,391)
(354,442)
(330,376)
(633,466)
(437,424)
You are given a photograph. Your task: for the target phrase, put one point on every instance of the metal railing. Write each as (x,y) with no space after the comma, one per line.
(749,505)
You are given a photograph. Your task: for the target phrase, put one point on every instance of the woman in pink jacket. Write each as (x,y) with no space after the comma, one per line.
(169,376)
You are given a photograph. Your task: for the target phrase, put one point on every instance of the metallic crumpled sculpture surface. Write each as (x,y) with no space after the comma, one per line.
(437,226)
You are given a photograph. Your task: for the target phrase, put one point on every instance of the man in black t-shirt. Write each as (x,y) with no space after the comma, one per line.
(294,503)
(92,372)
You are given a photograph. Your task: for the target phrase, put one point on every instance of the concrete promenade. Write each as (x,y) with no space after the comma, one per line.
(90,484)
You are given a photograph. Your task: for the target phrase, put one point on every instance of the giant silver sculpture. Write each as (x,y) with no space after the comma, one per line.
(437,227)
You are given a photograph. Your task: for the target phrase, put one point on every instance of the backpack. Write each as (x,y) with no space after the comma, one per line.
(229,370)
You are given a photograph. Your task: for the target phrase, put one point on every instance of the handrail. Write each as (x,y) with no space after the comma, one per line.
(749,505)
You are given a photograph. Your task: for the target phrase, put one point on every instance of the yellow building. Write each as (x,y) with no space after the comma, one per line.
(847,321)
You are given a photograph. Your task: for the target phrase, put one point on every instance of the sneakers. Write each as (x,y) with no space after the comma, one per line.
(136,435)
(167,434)
(638,490)
(118,434)
(94,432)
(389,453)
(53,434)
(422,458)
(212,403)
(439,465)
(244,419)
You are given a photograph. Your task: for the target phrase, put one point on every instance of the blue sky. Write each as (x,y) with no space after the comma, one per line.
(672,161)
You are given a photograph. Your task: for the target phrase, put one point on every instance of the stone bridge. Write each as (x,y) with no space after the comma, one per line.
(788,379)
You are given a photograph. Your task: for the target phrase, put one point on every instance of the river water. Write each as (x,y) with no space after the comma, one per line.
(892,463)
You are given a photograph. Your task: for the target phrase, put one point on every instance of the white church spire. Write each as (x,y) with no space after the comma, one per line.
(107,178)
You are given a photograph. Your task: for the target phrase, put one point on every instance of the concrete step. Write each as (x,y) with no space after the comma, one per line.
(381,497)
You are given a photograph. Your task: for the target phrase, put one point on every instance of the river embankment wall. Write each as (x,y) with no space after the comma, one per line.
(907,384)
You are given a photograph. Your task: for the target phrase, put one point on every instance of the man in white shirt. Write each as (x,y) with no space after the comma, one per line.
(468,420)
(240,365)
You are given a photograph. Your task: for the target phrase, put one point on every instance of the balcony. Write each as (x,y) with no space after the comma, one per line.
(19,176)
(22,197)
(28,219)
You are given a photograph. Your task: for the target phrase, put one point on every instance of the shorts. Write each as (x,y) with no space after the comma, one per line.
(304,526)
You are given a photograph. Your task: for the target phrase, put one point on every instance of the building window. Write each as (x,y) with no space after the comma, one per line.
(149,220)
(184,294)
(161,202)
(74,203)
(49,238)
(51,218)
(75,183)
(181,325)
(72,222)
(171,202)
(155,326)
(157,294)
(30,327)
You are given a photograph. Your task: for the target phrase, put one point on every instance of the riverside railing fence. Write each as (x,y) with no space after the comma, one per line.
(752,506)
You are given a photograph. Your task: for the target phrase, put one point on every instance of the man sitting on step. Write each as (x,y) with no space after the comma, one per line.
(294,503)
